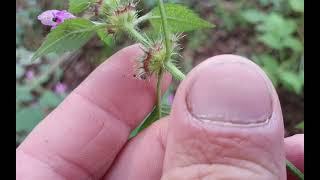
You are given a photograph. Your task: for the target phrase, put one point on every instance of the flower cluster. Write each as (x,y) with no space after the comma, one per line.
(120,16)
(154,56)
(151,62)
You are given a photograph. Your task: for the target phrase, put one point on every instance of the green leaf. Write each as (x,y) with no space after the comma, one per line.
(271,41)
(19,71)
(152,117)
(104,37)
(49,99)
(28,118)
(23,56)
(78,6)
(292,81)
(277,32)
(278,26)
(270,66)
(23,94)
(253,15)
(68,36)
(180,19)
(293,43)
(300,125)
(297,5)
(165,110)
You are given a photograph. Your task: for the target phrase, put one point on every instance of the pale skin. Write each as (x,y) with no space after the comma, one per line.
(226,123)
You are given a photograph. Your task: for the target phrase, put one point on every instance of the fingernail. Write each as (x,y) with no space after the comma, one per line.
(230,92)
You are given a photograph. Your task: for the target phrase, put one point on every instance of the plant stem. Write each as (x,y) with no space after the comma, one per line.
(175,72)
(136,35)
(160,75)
(294,170)
(165,30)
(145,18)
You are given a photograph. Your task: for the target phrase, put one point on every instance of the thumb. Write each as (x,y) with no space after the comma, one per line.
(226,123)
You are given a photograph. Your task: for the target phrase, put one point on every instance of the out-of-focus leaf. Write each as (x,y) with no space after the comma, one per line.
(253,15)
(292,81)
(78,6)
(28,118)
(49,99)
(297,5)
(270,66)
(19,71)
(293,43)
(23,94)
(23,56)
(300,125)
(271,41)
(277,32)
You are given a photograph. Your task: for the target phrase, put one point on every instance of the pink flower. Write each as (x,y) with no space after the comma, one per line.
(60,88)
(29,75)
(54,17)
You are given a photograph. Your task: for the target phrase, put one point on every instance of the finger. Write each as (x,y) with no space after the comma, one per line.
(142,158)
(226,123)
(80,138)
(140,162)
(294,147)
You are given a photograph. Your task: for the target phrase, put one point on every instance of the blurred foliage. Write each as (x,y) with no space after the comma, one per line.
(33,99)
(300,125)
(282,34)
(271,30)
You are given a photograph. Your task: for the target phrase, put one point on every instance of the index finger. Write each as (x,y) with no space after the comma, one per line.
(80,138)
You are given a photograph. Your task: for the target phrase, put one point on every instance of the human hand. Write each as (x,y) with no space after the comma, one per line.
(226,123)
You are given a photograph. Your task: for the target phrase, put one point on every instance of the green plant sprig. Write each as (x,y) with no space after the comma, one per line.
(168,18)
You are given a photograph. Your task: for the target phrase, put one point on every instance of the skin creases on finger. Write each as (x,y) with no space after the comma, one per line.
(226,124)
(142,157)
(81,138)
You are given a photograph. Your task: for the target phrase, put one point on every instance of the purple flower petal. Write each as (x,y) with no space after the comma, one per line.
(54,17)
(62,15)
(60,88)
(29,75)
(47,17)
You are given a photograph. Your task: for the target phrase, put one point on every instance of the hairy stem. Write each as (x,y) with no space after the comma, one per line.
(165,30)
(175,72)
(160,75)
(136,35)
(145,18)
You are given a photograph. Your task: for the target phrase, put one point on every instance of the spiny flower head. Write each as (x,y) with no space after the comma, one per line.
(54,17)
(151,62)
(154,58)
(124,13)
